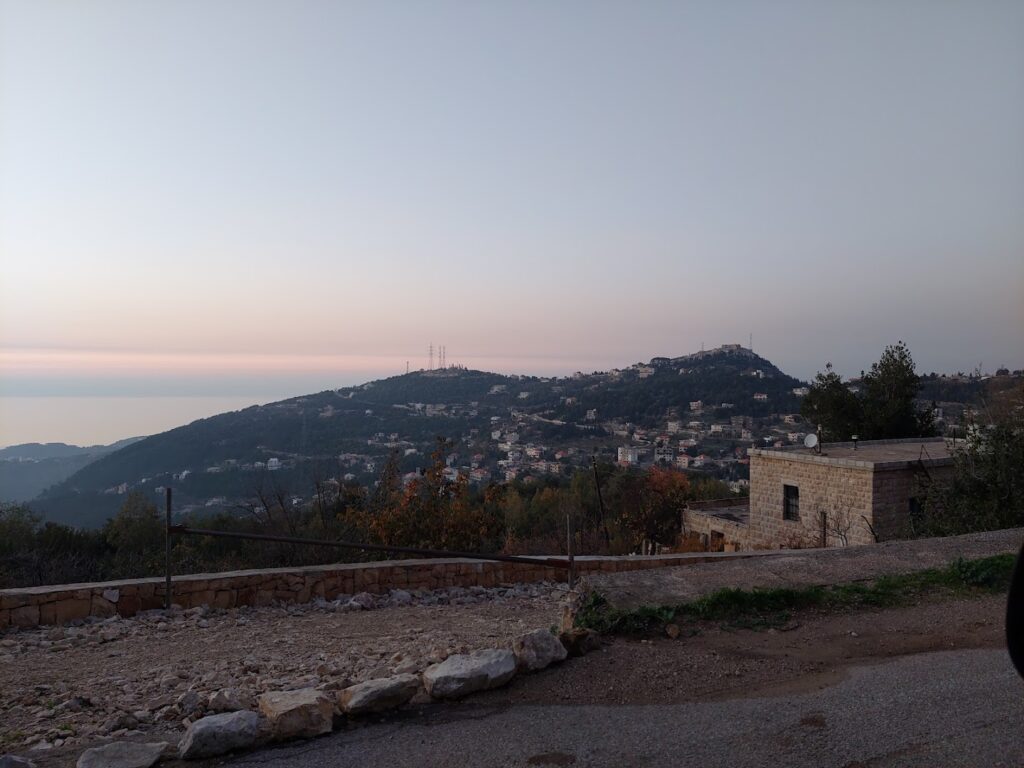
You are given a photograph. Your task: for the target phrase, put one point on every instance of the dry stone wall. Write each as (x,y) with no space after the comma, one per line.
(63,604)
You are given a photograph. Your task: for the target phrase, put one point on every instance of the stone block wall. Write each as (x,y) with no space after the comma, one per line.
(733,534)
(891,494)
(843,493)
(65,603)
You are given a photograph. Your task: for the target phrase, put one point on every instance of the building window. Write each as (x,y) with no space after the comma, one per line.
(790,502)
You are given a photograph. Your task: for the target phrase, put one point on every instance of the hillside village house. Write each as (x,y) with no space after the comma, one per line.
(844,494)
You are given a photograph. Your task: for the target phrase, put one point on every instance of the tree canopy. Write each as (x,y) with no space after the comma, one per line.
(884,407)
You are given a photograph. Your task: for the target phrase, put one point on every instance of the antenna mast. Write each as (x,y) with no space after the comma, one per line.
(430,367)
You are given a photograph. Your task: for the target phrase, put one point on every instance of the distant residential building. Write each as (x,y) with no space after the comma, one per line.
(760,396)
(673,427)
(663,454)
(643,371)
(273,464)
(592,414)
(696,405)
(629,455)
(801,391)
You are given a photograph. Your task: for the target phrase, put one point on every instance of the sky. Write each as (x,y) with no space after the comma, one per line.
(213,199)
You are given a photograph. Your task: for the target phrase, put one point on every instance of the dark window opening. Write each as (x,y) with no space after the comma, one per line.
(914,507)
(790,502)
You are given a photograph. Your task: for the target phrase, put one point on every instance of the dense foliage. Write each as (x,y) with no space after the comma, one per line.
(884,407)
(986,490)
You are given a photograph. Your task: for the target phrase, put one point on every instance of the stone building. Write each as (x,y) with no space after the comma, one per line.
(842,494)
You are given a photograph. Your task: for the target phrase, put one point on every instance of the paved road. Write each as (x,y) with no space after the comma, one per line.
(956,708)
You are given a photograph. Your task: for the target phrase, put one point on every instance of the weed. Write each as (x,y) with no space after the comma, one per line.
(764,608)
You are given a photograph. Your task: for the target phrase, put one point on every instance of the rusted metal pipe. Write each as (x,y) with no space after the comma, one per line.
(181,530)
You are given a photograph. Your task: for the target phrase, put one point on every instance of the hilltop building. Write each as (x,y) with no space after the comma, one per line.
(844,494)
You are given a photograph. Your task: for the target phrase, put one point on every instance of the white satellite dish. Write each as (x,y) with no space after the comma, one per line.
(811,441)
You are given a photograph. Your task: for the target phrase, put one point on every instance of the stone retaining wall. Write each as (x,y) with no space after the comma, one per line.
(65,603)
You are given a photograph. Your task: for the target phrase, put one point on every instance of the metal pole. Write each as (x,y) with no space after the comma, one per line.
(547,562)
(167,553)
(568,550)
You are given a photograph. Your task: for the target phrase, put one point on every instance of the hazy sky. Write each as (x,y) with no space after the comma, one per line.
(234,198)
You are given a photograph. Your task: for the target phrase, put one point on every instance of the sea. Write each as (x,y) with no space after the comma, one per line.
(98,420)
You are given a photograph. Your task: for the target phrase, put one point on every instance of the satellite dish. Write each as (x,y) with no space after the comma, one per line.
(811,441)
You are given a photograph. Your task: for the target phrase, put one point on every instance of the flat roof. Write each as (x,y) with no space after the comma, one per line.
(868,454)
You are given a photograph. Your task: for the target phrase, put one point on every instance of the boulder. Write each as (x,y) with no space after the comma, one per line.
(13,761)
(401,597)
(298,714)
(364,600)
(536,650)
(225,700)
(217,734)
(122,754)
(580,641)
(378,695)
(463,674)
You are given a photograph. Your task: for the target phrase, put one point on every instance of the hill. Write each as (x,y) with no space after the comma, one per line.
(347,433)
(27,469)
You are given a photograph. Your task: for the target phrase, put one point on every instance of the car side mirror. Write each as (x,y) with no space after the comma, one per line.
(1015,615)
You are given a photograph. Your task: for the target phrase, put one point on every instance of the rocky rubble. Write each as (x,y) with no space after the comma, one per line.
(154,676)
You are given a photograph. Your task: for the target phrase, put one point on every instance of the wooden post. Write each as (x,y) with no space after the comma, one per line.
(167,552)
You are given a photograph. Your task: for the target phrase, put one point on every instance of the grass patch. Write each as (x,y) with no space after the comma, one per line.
(761,608)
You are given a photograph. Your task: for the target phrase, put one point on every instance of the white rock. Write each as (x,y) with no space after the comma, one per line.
(298,714)
(364,600)
(378,695)
(122,754)
(462,674)
(400,597)
(536,650)
(225,700)
(217,734)
(112,595)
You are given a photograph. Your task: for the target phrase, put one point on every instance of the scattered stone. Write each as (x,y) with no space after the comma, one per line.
(225,700)
(118,722)
(13,761)
(122,754)
(400,597)
(673,631)
(378,695)
(217,734)
(298,714)
(463,674)
(189,702)
(580,641)
(364,600)
(538,649)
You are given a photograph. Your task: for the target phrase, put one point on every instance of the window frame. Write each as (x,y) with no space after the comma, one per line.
(791,502)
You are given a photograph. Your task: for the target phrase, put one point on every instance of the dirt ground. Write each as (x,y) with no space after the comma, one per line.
(143,667)
(814,651)
(799,568)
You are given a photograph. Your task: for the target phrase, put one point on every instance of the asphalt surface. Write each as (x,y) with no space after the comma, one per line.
(955,708)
